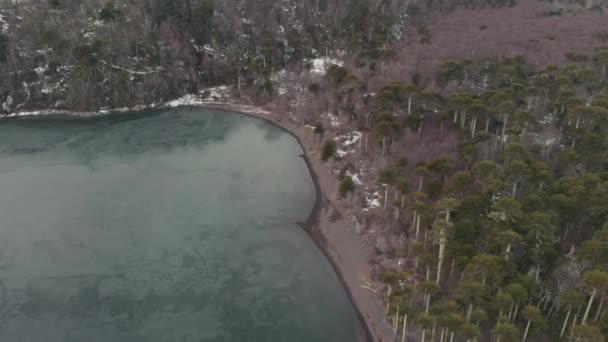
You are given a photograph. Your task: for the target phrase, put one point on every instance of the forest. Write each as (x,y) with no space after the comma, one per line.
(83,55)
(490,155)
(511,236)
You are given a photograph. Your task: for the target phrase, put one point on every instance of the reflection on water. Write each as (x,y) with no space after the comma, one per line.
(173,226)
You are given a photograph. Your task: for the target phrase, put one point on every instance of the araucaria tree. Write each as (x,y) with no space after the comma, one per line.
(518,233)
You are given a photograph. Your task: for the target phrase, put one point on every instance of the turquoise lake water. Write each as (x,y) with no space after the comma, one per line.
(169,226)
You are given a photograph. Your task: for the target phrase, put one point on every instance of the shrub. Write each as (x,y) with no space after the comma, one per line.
(319,129)
(329,148)
(346,186)
(314,88)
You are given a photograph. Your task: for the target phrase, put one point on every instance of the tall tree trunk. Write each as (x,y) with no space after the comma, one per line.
(452,267)
(504,129)
(586,315)
(388,299)
(599,309)
(487,125)
(469,313)
(417,226)
(526,331)
(409,105)
(497,141)
(383,145)
(553,305)
(574,321)
(561,334)
(396,327)
(515,312)
(442,242)
(385,195)
(404,332)
(414,222)
(473,127)
(426,233)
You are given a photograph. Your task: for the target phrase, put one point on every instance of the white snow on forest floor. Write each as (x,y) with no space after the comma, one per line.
(346,142)
(282,81)
(341,153)
(187,100)
(372,200)
(547,119)
(334,121)
(354,177)
(544,140)
(216,93)
(33,113)
(349,139)
(320,65)
(3,25)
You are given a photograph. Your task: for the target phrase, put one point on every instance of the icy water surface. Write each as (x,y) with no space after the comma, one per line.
(172,226)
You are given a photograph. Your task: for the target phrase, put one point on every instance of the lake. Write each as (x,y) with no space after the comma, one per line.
(177,225)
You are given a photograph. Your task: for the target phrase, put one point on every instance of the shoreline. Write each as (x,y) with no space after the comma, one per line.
(368,308)
(325,225)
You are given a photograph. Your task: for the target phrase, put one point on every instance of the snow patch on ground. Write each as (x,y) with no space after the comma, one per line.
(41,70)
(341,153)
(34,113)
(282,81)
(349,139)
(346,142)
(372,201)
(354,177)
(547,120)
(8,104)
(320,65)
(187,100)
(210,95)
(3,25)
(333,119)
(216,93)
(545,140)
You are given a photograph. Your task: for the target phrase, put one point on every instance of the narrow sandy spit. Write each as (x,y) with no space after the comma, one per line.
(331,231)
